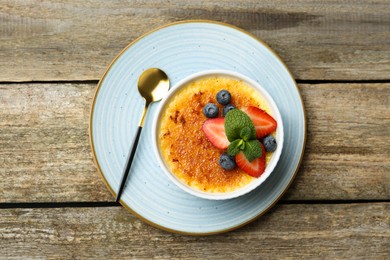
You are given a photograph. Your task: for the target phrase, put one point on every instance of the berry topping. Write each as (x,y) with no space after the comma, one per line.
(223,97)
(210,110)
(254,168)
(227,162)
(214,129)
(269,143)
(227,108)
(264,123)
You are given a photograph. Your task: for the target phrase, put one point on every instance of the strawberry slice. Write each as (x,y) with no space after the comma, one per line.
(214,130)
(254,168)
(264,123)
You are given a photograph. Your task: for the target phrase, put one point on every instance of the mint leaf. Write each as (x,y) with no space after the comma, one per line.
(235,121)
(241,133)
(252,150)
(235,147)
(245,133)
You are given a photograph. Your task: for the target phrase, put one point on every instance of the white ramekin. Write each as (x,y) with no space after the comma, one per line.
(270,166)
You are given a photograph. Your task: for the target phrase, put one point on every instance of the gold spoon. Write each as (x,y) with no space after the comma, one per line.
(153,84)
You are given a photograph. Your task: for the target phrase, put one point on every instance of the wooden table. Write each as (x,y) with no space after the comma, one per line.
(53,203)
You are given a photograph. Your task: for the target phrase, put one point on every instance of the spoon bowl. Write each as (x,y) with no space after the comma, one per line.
(153,85)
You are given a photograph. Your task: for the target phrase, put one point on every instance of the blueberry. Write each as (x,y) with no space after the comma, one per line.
(227,162)
(227,108)
(210,110)
(269,143)
(223,97)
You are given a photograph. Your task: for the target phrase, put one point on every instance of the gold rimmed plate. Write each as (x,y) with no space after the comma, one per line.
(182,49)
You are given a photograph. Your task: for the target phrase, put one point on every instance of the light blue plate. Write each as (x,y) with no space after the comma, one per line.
(182,49)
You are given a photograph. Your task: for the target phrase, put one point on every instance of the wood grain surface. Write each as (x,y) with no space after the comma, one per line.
(339,231)
(77,40)
(53,203)
(45,144)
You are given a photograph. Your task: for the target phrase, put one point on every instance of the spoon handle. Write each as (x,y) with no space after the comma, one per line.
(129,161)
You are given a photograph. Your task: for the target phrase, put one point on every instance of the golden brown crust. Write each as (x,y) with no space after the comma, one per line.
(184,146)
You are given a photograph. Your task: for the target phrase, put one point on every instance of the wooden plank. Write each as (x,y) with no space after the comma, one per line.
(73,40)
(340,231)
(44,144)
(347,152)
(45,154)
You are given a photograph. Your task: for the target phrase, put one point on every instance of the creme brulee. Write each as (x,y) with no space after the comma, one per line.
(184,146)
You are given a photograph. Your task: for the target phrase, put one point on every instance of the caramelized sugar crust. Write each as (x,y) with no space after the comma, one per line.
(185,148)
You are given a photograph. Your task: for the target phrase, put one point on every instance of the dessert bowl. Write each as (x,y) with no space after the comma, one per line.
(192,149)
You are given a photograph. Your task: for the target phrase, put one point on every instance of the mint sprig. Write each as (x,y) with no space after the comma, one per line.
(241,133)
